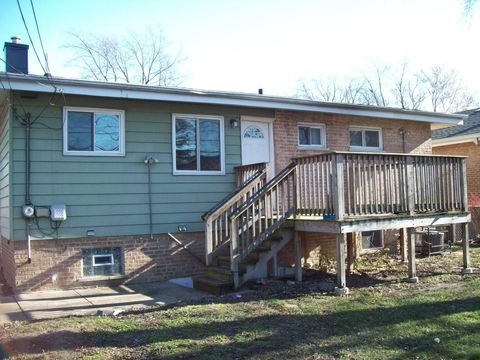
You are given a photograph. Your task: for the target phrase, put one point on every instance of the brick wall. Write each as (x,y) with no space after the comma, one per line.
(57,263)
(285,133)
(471,150)
(473,165)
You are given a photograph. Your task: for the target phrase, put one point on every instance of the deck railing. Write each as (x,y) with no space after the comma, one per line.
(243,173)
(344,184)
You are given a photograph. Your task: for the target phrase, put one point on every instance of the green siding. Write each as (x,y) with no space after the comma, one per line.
(109,194)
(5,218)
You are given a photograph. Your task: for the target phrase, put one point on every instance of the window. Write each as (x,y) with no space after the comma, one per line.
(365,138)
(372,239)
(197,145)
(311,135)
(102,261)
(98,132)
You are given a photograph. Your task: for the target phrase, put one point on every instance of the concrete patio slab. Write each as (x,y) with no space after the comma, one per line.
(9,310)
(92,301)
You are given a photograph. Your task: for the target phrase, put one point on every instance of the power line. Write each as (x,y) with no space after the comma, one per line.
(40,37)
(28,33)
(21,72)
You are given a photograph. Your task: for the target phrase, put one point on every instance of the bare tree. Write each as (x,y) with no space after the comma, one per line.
(408,88)
(331,90)
(436,89)
(374,91)
(133,58)
(445,90)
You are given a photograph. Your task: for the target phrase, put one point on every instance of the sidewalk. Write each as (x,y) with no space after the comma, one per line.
(92,301)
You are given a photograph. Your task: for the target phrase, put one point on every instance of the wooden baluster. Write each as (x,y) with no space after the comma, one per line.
(375,185)
(314,186)
(464,185)
(347,175)
(410,185)
(451,185)
(234,253)
(322,166)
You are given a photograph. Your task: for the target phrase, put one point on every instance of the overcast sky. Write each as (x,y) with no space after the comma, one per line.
(250,44)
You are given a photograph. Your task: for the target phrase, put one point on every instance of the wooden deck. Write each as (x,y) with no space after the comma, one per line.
(341,193)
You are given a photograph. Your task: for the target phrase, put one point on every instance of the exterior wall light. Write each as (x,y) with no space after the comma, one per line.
(234,123)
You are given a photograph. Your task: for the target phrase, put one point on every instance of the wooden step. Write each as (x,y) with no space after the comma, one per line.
(271,241)
(224,262)
(219,273)
(211,286)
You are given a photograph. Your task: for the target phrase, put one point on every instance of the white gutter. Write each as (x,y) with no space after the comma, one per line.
(141,92)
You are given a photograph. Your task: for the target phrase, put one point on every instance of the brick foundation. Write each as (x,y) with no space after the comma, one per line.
(57,263)
(8,261)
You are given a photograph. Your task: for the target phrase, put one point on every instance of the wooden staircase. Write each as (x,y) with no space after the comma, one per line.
(246,230)
(219,278)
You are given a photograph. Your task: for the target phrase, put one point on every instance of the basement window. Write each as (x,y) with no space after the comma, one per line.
(102,261)
(93,132)
(372,239)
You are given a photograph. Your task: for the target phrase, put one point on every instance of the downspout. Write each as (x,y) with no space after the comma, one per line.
(149,160)
(28,201)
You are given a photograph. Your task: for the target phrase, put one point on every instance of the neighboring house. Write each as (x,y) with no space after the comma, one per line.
(109,182)
(464,140)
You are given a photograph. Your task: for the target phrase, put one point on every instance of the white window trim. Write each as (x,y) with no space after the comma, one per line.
(222,145)
(313,126)
(112,260)
(366,148)
(121,113)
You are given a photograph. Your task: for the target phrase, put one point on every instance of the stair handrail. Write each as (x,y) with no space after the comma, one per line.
(244,236)
(217,231)
(279,177)
(227,199)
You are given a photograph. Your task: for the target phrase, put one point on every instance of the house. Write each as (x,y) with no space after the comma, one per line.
(120,183)
(464,140)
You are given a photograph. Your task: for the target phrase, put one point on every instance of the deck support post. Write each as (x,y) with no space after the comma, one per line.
(341,288)
(209,243)
(466,250)
(453,233)
(403,244)
(298,255)
(412,269)
(275,265)
(350,251)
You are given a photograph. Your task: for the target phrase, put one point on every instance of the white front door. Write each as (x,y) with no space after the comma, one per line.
(257,144)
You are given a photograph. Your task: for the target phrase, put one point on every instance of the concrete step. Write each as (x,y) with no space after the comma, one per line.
(211,286)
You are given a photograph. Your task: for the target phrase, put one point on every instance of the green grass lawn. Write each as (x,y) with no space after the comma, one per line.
(383,318)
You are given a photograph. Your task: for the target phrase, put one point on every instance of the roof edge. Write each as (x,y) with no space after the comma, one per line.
(452,140)
(38,83)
